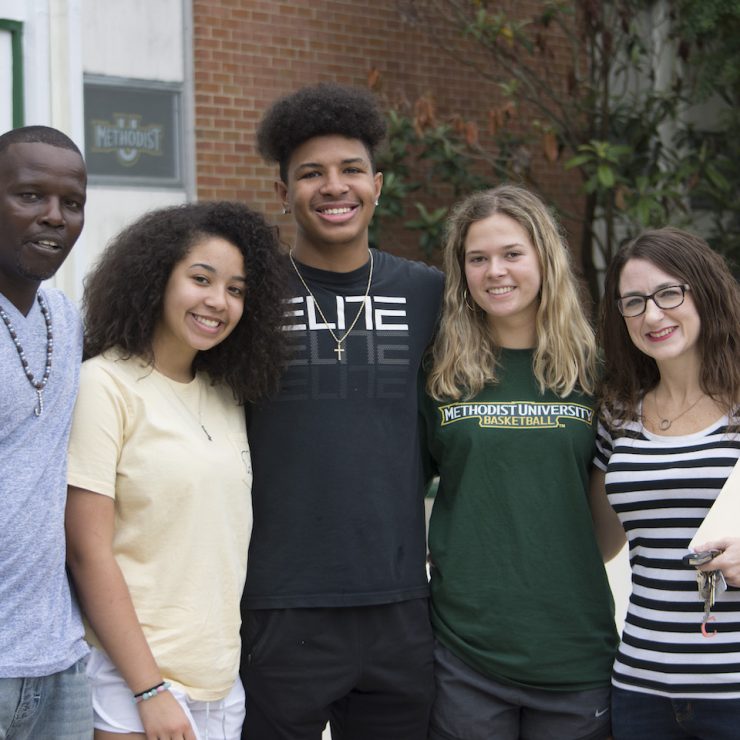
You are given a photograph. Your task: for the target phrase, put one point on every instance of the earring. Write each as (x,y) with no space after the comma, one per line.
(286,210)
(377,202)
(465,298)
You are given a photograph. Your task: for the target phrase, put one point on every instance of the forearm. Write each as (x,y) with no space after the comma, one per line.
(608,529)
(102,590)
(106,602)
(610,538)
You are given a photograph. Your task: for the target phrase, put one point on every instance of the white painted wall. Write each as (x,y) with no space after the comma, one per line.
(142,39)
(108,210)
(6,80)
(65,39)
(13,10)
(34,14)
(52,67)
(134,39)
(63,102)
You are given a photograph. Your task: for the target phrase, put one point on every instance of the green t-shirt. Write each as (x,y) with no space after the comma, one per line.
(519,590)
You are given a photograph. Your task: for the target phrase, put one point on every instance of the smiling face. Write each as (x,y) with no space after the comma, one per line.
(504,278)
(331,191)
(202,304)
(42,211)
(666,335)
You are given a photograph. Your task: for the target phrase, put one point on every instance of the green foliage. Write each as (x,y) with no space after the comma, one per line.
(601,161)
(621,115)
(434,163)
(712,27)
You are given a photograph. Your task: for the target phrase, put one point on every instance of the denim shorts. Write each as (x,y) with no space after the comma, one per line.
(56,706)
(115,712)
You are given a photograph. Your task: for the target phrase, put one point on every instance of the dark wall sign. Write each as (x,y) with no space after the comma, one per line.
(132,132)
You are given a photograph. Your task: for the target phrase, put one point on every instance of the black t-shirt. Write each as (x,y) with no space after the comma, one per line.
(338,481)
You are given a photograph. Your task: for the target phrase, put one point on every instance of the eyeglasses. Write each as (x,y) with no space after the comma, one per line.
(672,296)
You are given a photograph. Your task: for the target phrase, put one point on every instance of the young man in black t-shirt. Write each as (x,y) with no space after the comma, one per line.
(336,624)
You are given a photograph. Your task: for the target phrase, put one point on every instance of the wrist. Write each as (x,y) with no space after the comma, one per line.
(151,692)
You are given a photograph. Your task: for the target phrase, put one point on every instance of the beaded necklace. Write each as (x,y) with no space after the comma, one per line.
(37,385)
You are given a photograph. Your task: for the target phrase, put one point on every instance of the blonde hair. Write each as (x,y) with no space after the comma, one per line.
(464,355)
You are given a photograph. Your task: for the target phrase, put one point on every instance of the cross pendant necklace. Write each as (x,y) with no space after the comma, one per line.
(339,350)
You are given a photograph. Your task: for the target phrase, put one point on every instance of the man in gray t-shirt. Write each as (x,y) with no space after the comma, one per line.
(43,687)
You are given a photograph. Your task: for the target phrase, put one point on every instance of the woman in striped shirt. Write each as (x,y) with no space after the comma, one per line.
(668,439)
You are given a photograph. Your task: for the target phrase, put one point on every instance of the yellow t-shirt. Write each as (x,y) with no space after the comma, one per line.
(183,509)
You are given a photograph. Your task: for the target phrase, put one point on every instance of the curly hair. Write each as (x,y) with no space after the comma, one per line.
(122,302)
(464,355)
(629,373)
(319,110)
(37,135)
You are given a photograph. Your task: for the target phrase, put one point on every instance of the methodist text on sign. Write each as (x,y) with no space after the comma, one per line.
(133,132)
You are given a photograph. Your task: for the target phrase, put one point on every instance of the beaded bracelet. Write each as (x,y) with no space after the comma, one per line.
(150,693)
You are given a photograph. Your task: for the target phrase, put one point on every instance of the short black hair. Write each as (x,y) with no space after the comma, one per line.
(37,135)
(319,110)
(123,298)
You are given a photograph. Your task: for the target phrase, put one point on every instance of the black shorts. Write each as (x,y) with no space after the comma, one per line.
(367,670)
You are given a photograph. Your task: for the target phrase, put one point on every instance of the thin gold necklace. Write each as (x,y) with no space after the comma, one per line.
(337,339)
(199,419)
(665,423)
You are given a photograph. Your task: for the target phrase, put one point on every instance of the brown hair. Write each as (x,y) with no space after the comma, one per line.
(629,373)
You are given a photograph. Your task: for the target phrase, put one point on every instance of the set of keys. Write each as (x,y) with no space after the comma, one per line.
(710,584)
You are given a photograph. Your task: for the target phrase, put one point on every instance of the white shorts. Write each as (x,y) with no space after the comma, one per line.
(115,712)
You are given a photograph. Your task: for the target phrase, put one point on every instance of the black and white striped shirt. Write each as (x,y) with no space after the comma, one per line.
(662,488)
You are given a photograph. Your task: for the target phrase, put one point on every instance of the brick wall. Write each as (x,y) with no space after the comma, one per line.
(248,52)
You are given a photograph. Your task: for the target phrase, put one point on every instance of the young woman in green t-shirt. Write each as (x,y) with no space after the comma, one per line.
(521,605)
